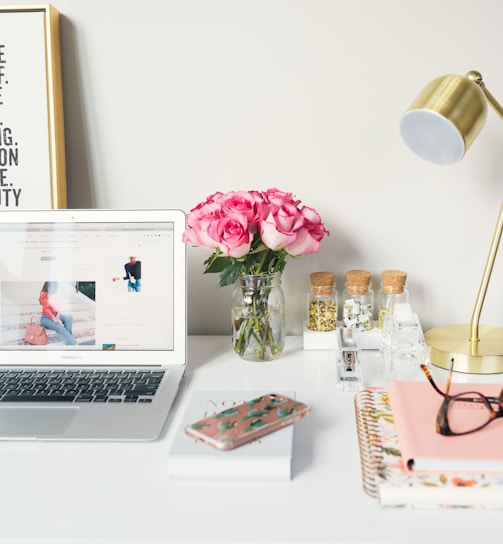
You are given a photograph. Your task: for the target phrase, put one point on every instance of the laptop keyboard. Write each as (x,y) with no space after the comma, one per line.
(79,385)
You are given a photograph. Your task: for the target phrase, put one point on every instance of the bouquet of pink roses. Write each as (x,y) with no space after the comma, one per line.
(252,232)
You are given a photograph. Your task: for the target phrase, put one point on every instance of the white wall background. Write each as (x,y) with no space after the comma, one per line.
(168,101)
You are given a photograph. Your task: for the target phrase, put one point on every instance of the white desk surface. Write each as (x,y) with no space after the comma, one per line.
(121,492)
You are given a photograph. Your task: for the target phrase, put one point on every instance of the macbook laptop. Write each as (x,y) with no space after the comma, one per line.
(106,290)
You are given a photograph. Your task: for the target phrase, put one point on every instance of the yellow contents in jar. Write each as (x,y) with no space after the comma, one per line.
(322,315)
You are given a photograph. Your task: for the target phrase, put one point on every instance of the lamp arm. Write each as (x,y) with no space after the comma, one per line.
(476,77)
(474,324)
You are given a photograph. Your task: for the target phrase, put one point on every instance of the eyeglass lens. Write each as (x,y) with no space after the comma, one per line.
(468,412)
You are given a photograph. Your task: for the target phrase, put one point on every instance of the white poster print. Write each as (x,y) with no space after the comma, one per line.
(25,123)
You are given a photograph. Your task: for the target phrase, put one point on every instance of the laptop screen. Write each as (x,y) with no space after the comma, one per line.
(94,286)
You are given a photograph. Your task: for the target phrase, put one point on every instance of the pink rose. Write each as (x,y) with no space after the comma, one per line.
(198,221)
(235,221)
(214,197)
(278,228)
(242,202)
(309,236)
(276,197)
(232,235)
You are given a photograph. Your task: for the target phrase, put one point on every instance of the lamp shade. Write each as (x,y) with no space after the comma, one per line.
(445,118)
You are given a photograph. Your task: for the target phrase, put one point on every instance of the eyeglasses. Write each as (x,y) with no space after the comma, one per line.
(465,412)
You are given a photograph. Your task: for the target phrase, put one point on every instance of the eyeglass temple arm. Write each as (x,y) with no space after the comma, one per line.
(476,77)
(427,373)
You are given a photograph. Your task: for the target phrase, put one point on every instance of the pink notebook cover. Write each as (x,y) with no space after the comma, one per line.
(415,406)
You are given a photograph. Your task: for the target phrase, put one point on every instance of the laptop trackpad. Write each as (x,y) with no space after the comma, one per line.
(41,422)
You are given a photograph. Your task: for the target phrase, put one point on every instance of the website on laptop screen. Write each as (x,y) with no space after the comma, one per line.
(99,286)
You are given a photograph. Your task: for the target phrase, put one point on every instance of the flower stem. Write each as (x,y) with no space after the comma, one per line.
(262,261)
(252,324)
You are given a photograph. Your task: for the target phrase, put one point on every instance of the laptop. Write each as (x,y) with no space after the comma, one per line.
(106,290)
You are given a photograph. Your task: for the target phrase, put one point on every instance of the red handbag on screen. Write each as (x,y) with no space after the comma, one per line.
(35,334)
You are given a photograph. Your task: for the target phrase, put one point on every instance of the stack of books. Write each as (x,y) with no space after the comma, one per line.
(406,463)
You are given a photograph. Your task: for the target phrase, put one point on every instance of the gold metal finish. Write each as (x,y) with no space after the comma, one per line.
(484,284)
(451,341)
(476,77)
(55,108)
(458,99)
(475,349)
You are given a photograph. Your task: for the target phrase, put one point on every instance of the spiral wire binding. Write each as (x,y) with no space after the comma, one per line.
(369,441)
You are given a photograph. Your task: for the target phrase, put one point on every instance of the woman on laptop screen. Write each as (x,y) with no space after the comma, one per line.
(52,318)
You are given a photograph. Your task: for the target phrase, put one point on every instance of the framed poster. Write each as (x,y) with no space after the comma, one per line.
(32,145)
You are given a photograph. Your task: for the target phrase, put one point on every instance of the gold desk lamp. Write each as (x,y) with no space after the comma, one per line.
(440,126)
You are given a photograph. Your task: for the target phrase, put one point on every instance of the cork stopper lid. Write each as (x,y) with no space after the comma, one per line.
(322,283)
(394,280)
(358,280)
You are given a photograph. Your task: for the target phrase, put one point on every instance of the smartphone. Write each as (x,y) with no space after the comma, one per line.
(248,421)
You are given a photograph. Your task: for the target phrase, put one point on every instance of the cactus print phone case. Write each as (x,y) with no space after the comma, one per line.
(248,421)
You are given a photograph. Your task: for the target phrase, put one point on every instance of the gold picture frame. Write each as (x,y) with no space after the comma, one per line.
(32,142)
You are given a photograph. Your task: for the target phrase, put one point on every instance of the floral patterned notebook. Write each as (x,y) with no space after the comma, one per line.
(386,479)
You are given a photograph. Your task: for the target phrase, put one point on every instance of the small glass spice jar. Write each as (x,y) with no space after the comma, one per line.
(358,308)
(322,302)
(392,291)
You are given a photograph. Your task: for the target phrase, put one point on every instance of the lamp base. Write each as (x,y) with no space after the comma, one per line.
(484,357)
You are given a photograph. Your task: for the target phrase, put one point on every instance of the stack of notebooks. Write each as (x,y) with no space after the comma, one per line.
(406,463)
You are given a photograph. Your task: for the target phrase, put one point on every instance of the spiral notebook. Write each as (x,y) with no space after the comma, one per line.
(384,475)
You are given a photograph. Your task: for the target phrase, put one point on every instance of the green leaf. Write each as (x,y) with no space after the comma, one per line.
(226,413)
(254,413)
(229,275)
(392,451)
(199,425)
(255,424)
(216,264)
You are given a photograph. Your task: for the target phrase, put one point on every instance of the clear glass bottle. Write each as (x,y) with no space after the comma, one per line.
(392,291)
(322,302)
(358,308)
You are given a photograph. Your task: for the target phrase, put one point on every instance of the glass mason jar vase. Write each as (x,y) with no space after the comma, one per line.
(258,317)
